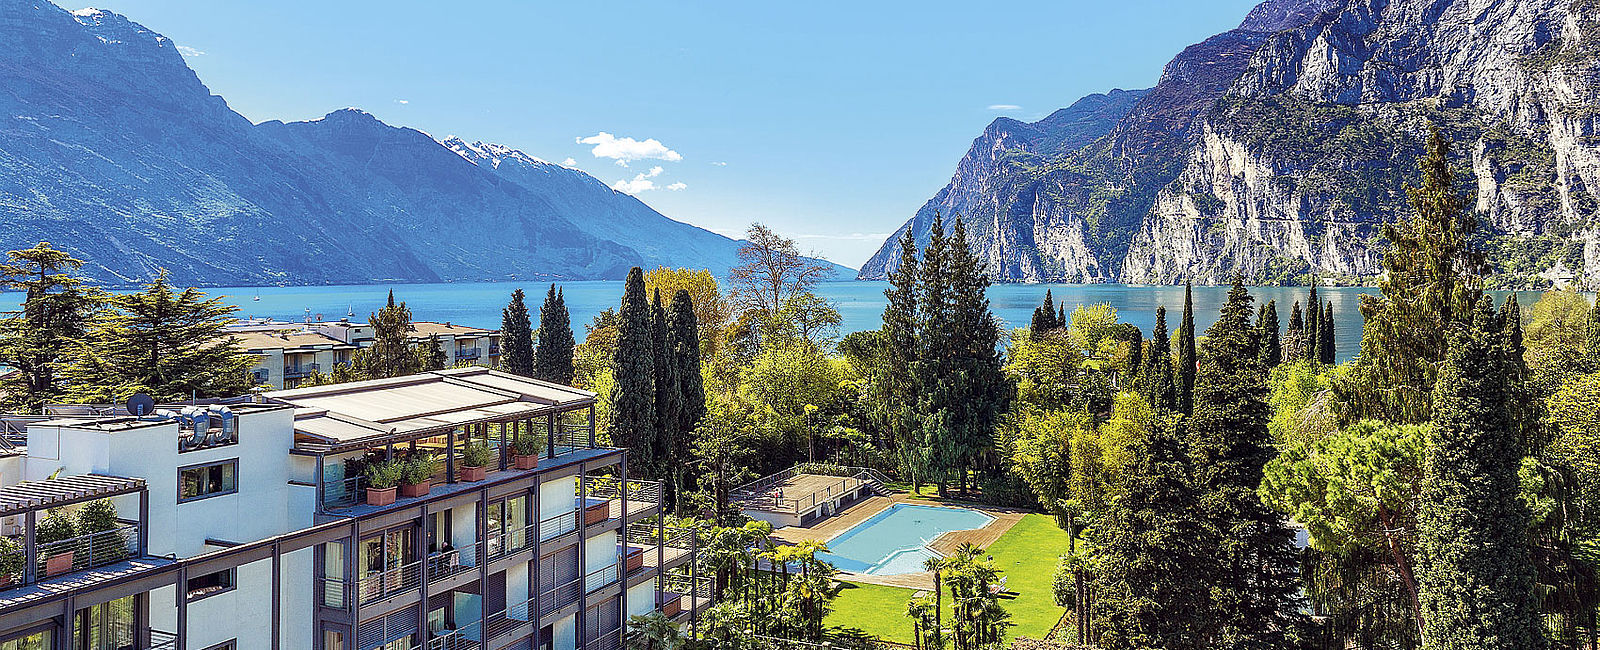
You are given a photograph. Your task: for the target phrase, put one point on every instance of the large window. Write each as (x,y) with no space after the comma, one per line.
(107,626)
(209,480)
(36,641)
(210,584)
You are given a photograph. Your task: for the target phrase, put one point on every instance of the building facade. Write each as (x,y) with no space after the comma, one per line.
(287,352)
(248,524)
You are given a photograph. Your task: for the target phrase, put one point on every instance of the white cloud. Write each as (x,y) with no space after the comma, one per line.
(189,51)
(569,163)
(641,182)
(1003,107)
(676,186)
(720,164)
(402,101)
(626,150)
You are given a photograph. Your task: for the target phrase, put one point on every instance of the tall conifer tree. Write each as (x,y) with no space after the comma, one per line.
(1271,347)
(56,310)
(669,388)
(683,339)
(1327,352)
(1156,381)
(1251,559)
(516,337)
(391,353)
(1044,316)
(633,393)
(896,383)
(553,356)
(1313,345)
(1477,584)
(1186,353)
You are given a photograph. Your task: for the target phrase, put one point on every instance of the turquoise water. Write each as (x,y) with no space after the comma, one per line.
(895,540)
(860,304)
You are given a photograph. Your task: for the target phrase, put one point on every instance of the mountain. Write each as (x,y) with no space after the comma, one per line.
(112,148)
(1276,150)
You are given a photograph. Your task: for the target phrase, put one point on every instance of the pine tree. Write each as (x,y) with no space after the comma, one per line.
(982,390)
(56,310)
(1156,380)
(1044,316)
(430,355)
(1313,345)
(1432,276)
(516,337)
(669,389)
(933,368)
(1326,350)
(553,356)
(168,344)
(1477,581)
(1251,560)
(896,379)
(633,393)
(1147,549)
(1186,353)
(1271,347)
(390,354)
(1061,315)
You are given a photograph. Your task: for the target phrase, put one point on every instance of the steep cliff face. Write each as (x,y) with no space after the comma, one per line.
(1285,174)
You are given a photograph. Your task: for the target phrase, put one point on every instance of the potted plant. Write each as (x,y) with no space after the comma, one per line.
(475,459)
(525,452)
(97,521)
(382,479)
(55,536)
(416,477)
(11,559)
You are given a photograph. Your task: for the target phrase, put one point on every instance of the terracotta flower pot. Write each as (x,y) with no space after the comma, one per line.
(524,462)
(470,474)
(380,496)
(413,490)
(672,607)
(58,564)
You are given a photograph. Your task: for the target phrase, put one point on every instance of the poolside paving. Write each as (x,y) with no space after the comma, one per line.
(1004,519)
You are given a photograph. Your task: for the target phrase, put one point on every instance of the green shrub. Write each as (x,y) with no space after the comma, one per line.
(57,527)
(100,517)
(11,557)
(385,474)
(476,454)
(525,445)
(419,468)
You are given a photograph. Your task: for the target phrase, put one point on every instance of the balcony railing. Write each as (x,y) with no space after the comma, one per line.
(608,641)
(508,542)
(382,584)
(599,578)
(162,640)
(343,492)
(553,527)
(472,635)
(557,597)
(334,593)
(641,495)
(444,564)
(301,370)
(468,353)
(88,551)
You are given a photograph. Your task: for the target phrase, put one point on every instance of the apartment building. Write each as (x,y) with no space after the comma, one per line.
(289,352)
(247,524)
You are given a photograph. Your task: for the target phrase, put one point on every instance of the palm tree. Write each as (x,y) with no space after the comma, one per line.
(935,638)
(917,611)
(653,631)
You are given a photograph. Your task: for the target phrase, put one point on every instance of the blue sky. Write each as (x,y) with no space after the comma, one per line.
(829,121)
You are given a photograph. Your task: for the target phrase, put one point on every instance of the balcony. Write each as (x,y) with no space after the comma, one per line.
(643,498)
(473,635)
(553,527)
(111,545)
(468,353)
(609,641)
(300,370)
(509,542)
(683,597)
(557,597)
(454,562)
(378,585)
(600,578)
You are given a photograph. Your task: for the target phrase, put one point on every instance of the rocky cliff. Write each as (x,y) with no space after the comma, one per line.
(112,148)
(1276,149)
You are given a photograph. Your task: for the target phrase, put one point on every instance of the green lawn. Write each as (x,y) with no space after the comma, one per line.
(1026,556)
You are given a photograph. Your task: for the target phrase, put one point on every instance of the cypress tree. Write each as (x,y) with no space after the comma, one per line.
(683,351)
(1061,315)
(669,390)
(633,393)
(1326,351)
(983,391)
(1186,353)
(1313,345)
(1294,336)
(1526,405)
(896,379)
(430,355)
(553,357)
(1250,564)
(1477,581)
(516,337)
(935,343)
(1271,347)
(1156,381)
(1044,316)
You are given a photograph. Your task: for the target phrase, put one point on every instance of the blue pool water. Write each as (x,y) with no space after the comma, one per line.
(895,540)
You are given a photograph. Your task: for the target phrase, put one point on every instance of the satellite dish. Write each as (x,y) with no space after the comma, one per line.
(140,405)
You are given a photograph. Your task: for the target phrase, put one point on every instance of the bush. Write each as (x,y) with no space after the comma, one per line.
(525,445)
(384,475)
(419,468)
(476,454)
(57,527)
(11,557)
(100,517)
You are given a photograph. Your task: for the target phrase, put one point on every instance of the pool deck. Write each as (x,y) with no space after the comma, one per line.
(946,544)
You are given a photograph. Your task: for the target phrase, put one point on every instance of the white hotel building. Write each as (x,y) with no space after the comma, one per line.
(244,526)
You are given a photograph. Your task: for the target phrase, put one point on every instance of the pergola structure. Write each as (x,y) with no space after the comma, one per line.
(28,498)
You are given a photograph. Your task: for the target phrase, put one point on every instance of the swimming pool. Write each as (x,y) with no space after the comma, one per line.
(896,540)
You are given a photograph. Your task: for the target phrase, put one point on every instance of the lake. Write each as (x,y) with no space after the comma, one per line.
(860,304)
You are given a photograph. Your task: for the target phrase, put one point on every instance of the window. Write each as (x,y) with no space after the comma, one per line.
(107,626)
(209,480)
(211,584)
(39,640)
